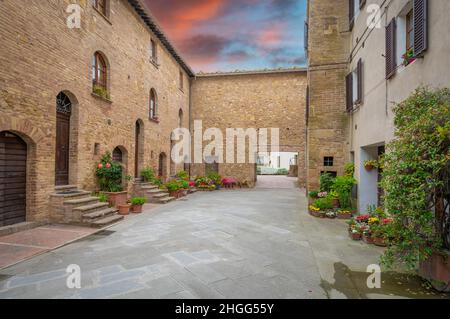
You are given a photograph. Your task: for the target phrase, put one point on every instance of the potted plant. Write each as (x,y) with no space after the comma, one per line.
(183,175)
(344,214)
(216,179)
(355,233)
(335,198)
(124,209)
(367,236)
(408,57)
(148,174)
(324,205)
(137,203)
(110,178)
(369,165)
(331,215)
(173,187)
(184,187)
(314,211)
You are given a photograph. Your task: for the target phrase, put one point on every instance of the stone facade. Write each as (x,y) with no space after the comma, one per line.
(327,66)
(40,57)
(272,99)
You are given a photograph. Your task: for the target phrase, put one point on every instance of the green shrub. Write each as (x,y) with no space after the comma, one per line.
(326,182)
(314,194)
(349,169)
(102,197)
(148,174)
(215,178)
(342,188)
(136,201)
(173,186)
(282,171)
(325,203)
(109,174)
(183,175)
(416,177)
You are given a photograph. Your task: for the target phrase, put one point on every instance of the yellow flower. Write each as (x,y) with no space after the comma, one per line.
(373,220)
(314,208)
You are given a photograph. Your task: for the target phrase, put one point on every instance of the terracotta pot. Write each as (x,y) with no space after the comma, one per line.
(369,167)
(379,241)
(314,213)
(116,199)
(368,239)
(124,209)
(344,216)
(335,202)
(174,194)
(436,270)
(355,236)
(137,209)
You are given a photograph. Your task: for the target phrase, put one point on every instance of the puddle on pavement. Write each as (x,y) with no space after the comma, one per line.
(353,285)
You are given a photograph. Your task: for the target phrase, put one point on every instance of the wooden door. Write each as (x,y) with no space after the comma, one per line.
(137,150)
(13,175)
(62,148)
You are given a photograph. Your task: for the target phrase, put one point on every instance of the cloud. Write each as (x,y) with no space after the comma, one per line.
(203,47)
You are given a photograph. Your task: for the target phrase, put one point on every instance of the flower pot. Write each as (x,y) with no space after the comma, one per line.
(355,236)
(344,216)
(436,270)
(137,209)
(314,213)
(218,187)
(335,202)
(124,209)
(116,199)
(367,239)
(369,167)
(379,241)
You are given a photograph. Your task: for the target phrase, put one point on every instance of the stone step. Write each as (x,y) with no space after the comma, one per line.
(166,199)
(156,191)
(66,188)
(82,201)
(91,207)
(149,187)
(89,217)
(106,221)
(160,195)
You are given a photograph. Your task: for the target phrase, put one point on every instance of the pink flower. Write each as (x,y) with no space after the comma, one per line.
(108,165)
(100,165)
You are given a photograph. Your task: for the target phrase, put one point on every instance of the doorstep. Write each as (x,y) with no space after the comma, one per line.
(23,245)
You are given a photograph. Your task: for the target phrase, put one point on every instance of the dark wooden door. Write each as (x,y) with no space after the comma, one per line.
(62,148)
(162,165)
(13,179)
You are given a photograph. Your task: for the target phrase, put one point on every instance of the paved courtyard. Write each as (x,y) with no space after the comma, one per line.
(230,244)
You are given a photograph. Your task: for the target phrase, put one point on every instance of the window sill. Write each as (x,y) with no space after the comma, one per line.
(154,120)
(155,63)
(107,100)
(103,16)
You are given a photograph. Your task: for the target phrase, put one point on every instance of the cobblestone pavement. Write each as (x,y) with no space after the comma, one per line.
(226,244)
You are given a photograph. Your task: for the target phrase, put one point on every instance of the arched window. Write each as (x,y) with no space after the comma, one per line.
(99,72)
(180,118)
(153,105)
(117,155)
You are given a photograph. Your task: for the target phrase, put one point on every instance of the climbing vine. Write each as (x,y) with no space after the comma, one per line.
(416,177)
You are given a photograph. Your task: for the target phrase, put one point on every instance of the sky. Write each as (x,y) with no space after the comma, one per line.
(229,35)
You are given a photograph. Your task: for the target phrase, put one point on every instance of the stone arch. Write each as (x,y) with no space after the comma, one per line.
(153,105)
(96,57)
(162,165)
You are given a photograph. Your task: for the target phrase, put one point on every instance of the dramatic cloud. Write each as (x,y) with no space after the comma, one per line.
(223,35)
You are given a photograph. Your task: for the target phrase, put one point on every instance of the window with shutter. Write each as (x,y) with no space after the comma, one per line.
(351,13)
(349,89)
(420,13)
(362,3)
(359,72)
(391,58)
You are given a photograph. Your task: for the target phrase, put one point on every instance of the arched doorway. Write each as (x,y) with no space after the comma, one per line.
(162,170)
(13,179)
(139,147)
(63,113)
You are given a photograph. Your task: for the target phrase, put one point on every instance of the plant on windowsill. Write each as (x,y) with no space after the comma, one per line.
(101,92)
(408,57)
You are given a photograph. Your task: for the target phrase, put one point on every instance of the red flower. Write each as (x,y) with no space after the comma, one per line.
(100,165)
(108,165)
(387,221)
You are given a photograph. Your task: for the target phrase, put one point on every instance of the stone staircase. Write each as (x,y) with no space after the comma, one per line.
(152,192)
(72,206)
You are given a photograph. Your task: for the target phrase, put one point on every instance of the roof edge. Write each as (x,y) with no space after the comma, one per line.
(143,11)
(253,72)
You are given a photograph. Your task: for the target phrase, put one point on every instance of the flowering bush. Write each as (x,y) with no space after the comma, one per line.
(109,174)
(322,194)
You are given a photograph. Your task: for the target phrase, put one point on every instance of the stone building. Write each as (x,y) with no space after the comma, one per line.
(260,100)
(357,73)
(68,95)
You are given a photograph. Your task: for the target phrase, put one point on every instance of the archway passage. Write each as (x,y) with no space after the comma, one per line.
(13,179)
(63,113)
(139,148)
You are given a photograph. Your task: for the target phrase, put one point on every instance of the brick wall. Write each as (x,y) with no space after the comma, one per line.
(274,99)
(40,57)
